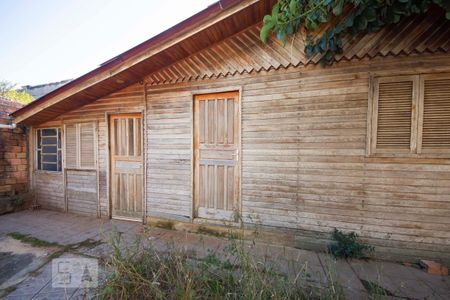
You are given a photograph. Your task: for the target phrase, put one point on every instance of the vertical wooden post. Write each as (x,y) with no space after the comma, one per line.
(193,156)
(63,165)
(108,166)
(97,168)
(31,162)
(144,149)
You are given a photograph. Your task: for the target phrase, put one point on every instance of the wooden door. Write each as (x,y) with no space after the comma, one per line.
(216,144)
(126,166)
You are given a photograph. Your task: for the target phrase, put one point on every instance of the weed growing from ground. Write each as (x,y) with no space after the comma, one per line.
(347,245)
(138,271)
(28,239)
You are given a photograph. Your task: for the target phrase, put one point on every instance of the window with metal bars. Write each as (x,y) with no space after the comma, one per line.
(48,149)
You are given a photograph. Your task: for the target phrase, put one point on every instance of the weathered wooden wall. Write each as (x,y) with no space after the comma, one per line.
(304,139)
(49,190)
(81,192)
(304,163)
(169,138)
(50,187)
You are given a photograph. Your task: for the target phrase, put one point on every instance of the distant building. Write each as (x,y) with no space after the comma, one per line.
(37,91)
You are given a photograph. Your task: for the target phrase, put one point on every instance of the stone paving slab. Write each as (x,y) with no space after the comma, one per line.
(402,281)
(68,229)
(18,259)
(342,272)
(39,285)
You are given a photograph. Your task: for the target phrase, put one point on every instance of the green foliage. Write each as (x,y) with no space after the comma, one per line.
(7,90)
(31,240)
(376,291)
(20,200)
(348,246)
(344,17)
(28,239)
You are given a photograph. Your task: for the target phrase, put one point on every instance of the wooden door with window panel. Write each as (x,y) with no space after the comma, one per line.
(126,166)
(216,156)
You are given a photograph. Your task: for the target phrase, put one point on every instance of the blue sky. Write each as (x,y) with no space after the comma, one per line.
(51,40)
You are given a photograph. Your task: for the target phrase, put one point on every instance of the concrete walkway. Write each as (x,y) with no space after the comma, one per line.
(72,236)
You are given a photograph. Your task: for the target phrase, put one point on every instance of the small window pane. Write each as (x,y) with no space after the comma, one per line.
(49,167)
(59,160)
(49,149)
(49,158)
(39,160)
(38,139)
(49,132)
(49,141)
(59,138)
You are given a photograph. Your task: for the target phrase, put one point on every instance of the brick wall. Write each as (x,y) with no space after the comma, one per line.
(13,153)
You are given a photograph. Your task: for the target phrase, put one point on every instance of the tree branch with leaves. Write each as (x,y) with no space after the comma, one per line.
(364,16)
(8,91)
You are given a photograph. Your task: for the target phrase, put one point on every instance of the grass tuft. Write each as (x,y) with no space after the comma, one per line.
(375,290)
(28,239)
(88,243)
(138,271)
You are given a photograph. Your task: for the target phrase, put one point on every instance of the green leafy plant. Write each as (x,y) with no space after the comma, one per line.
(347,245)
(342,16)
(8,90)
(21,200)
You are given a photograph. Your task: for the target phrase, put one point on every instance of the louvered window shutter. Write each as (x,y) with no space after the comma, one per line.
(71,146)
(394,114)
(87,145)
(80,145)
(436,114)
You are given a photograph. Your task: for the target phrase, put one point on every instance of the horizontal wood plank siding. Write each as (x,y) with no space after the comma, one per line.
(304,163)
(169,139)
(49,190)
(103,166)
(81,192)
(129,99)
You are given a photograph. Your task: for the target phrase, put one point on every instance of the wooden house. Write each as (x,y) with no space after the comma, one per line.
(205,124)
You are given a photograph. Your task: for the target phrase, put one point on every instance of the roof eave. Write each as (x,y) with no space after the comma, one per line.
(205,18)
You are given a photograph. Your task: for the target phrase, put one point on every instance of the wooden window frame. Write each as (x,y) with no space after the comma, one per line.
(78,165)
(417,111)
(59,140)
